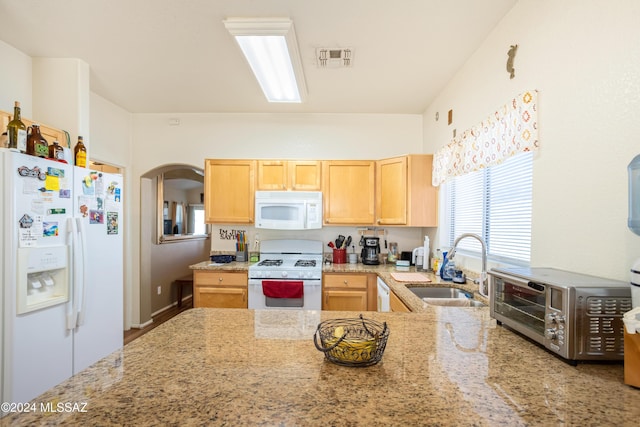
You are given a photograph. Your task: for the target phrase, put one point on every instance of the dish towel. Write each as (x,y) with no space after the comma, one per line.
(282,288)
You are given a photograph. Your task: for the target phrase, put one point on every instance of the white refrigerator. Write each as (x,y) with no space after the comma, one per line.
(62,271)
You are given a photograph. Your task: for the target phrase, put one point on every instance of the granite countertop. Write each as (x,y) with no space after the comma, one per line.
(384,271)
(443,366)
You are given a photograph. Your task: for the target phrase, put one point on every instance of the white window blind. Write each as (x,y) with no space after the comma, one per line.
(494,203)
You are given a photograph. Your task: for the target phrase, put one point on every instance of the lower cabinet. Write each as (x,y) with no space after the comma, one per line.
(348,292)
(396,304)
(220,289)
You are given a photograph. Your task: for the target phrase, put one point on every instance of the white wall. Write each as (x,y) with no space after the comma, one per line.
(583,57)
(15,79)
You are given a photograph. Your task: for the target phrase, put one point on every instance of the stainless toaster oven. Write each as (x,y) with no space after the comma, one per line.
(575,316)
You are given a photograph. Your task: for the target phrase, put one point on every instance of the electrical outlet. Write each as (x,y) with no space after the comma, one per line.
(159,290)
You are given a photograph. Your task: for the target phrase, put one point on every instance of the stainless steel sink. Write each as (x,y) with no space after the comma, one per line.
(446,294)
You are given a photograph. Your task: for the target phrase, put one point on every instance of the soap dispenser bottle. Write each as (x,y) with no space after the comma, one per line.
(443,264)
(425,258)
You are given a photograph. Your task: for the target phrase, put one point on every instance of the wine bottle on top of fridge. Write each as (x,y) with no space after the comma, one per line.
(80,153)
(17,131)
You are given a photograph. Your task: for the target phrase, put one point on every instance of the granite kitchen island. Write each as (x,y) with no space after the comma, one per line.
(443,366)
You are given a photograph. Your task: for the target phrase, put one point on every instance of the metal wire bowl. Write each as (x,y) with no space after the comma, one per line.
(352,342)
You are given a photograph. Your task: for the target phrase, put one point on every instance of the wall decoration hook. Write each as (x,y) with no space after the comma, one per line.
(511,54)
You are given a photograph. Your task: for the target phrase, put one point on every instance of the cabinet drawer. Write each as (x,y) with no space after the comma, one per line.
(219,278)
(221,297)
(350,281)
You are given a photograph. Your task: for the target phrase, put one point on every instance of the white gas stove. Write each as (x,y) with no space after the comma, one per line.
(288,275)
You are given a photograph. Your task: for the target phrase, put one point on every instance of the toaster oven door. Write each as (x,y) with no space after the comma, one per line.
(519,304)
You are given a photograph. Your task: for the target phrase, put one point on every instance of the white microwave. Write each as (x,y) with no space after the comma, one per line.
(289,210)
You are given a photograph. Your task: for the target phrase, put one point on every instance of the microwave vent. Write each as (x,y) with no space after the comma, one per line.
(334,57)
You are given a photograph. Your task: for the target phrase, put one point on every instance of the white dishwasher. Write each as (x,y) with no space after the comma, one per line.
(383,296)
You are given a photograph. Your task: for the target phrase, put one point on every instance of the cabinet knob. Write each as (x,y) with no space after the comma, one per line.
(220,279)
(346,282)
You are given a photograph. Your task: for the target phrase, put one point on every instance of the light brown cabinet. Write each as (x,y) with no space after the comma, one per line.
(396,304)
(404,194)
(348,188)
(349,292)
(297,175)
(229,187)
(50,134)
(219,289)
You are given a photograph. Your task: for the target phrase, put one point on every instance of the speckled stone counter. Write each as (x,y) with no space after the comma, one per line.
(442,366)
(414,303)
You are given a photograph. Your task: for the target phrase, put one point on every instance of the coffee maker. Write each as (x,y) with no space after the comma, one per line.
(370,251)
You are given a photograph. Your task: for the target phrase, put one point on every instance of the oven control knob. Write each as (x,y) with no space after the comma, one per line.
(551,334)
(555,318)
(285,274)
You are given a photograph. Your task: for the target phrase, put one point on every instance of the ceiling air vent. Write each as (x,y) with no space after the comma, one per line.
(334,57)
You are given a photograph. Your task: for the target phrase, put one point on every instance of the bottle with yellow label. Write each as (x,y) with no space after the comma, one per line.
(80,154)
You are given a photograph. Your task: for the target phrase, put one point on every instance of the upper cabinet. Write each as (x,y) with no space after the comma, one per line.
(50,134)
(404,194)
(348,192)
(395,191)
(229,187)
(297,175)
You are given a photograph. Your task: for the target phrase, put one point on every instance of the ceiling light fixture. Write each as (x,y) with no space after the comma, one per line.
(270,47)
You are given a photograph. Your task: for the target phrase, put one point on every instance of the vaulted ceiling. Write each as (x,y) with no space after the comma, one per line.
(175,56)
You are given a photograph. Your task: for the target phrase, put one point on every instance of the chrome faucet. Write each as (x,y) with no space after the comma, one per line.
(482,280)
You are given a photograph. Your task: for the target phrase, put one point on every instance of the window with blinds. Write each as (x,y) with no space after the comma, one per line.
(494,203)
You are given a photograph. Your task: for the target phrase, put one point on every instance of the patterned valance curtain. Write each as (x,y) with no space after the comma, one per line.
(511,130)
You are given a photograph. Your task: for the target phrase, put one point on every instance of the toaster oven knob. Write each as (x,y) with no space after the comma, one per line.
(551,334)
(555,318)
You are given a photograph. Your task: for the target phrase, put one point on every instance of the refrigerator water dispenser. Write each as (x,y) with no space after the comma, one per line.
(43,277)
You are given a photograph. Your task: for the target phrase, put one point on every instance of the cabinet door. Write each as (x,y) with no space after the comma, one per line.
(229,187)
(304,175)
(404,194)
(345,300)
(214,297)
(297,175)
(391,191)
(272,175)
(422,196)
(348,191)
(396,304)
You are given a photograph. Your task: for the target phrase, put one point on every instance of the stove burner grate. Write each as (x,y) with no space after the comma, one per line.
(305,263)
(270,263)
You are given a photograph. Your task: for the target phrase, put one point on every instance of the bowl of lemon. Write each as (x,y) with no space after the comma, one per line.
(352,342)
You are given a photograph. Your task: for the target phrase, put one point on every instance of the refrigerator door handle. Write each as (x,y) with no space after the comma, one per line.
(71,305)
(82,291)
